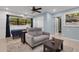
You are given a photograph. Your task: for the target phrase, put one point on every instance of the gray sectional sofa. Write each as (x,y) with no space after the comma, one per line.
(35,36)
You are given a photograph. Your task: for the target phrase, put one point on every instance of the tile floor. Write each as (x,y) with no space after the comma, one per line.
(71,44)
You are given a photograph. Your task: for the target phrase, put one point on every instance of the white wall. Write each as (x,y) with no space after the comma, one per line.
(2,24)
(45,21)
(49,23)
(38,22)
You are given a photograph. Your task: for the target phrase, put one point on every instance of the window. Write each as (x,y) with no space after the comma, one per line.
(15,20)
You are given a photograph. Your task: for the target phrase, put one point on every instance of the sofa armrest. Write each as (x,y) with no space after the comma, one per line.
(29,39)
(46,33)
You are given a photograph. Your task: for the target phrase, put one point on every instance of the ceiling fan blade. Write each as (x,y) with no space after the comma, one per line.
(38,11)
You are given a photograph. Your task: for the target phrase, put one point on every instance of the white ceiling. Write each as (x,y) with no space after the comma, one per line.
(26,10)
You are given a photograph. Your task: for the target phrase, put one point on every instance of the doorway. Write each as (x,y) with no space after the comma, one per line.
(58,25)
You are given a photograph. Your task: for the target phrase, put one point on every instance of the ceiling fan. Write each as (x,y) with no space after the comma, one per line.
(34,9)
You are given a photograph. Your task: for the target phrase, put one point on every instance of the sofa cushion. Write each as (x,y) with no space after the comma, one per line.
(39,33)
(40,38)
(34,29)
(33,33)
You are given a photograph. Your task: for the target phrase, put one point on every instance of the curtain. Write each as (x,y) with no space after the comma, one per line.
(7,26)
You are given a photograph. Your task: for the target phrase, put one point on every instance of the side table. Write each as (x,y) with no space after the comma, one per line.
(23,36)
(53,46)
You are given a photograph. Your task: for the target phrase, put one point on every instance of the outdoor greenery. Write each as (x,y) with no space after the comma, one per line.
(19,21)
